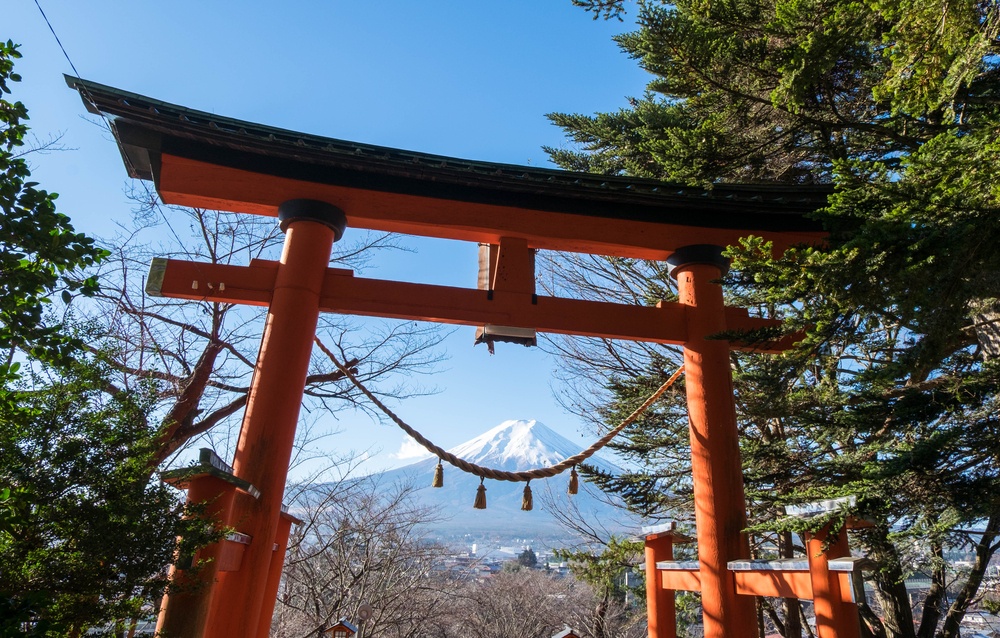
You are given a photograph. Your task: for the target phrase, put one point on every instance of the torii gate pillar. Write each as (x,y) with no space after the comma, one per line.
(268,431)
(720,504)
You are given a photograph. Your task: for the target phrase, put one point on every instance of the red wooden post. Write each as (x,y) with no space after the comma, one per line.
(661,610)
(267,435)
(834,617)
(185,609)
(274,573)
(720,505)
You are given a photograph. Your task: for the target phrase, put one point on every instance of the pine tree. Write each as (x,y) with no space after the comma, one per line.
(892,396)
(527,558)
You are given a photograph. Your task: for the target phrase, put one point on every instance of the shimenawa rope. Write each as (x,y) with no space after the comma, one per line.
(501,475)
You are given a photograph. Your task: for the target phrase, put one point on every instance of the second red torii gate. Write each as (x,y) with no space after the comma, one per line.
(317,186)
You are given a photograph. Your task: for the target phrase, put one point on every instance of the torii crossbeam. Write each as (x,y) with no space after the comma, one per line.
(318,186)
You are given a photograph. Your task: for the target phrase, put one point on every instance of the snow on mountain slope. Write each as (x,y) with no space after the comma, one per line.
(515,445)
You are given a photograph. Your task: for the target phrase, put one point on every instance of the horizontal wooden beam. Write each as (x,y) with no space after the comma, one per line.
(190,182)
(775,583)
(346,294)
(681,579)
(787,584)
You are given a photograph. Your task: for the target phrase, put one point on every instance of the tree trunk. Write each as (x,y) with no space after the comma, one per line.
(772,614)
(984,551)
(871,624)
(987,325)
(891,593)
(805,622)
(185,407)
(889,586)
(935,596)
(793,625)
(600,617)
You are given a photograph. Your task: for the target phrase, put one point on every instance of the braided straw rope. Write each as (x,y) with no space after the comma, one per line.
(501,475)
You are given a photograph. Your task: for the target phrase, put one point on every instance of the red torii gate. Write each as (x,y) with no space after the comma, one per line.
(316,186)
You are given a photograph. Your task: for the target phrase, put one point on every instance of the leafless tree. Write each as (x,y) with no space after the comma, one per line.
(200,355)
(362,544)
(537,604)
(516,603)
(586,363)
(606,618)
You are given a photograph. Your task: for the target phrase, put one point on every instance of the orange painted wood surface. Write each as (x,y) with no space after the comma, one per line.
(512,266)
(347,294)
(719,502)
(231,555)
(267,434)
(661,608)
(188,182)
(680,579)
(186,608)
(786,584)
(834,618)
(274,574)
(775,584)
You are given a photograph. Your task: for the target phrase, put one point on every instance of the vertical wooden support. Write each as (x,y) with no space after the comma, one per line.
(267,435)
(185,609)
(512,266)
(834,617)
(661,609)
(274,573)
(720,506)
(507,269)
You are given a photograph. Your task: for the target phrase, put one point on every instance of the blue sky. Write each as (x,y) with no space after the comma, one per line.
(468,79)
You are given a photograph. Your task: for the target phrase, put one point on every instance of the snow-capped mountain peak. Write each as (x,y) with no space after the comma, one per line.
(513,446)
(516,445)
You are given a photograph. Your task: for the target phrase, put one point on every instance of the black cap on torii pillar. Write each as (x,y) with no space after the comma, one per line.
(698,254)
(312,210)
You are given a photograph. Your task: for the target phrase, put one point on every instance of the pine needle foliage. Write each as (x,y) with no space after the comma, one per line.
(892,395)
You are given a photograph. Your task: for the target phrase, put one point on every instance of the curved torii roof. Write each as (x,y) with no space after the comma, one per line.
(201,159)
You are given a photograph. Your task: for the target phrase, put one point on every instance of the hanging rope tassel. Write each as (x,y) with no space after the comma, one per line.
(438,475)
(526,501)
(574,482)
(480,503)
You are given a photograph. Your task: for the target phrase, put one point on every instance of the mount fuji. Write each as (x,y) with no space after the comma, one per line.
(513,446)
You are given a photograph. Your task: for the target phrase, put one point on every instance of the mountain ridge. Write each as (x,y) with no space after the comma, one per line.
(514,445)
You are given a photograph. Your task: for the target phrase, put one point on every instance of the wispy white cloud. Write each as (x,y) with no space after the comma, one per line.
(410,450)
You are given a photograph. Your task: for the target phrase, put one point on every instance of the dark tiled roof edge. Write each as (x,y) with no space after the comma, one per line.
(168,119)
